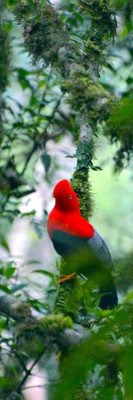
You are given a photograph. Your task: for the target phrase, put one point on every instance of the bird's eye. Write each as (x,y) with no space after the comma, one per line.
(70,196)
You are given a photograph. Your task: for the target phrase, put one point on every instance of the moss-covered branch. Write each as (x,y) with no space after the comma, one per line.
(80,180)
(68,299)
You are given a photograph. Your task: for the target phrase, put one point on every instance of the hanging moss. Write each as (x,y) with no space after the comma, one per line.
(102,13)
(22,11)
(97,8)
(44,31)
(93,54)
(47,36)
(88,96)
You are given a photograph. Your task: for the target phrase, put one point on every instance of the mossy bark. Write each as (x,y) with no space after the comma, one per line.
(80,180)
(68,298)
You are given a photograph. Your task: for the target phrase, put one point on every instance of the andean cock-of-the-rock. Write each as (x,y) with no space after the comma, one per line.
(76,240)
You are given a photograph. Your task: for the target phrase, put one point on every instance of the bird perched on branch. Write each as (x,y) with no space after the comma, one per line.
(83,249)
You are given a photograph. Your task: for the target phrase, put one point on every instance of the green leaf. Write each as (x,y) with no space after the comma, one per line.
(37,229)
(5,289)
(43,4)
(17,287)
(19,194)
(79,363)
(41,83)
(46,160)
(32,5)
(79,17)
(4,243)
(3,324)
(38,305)
(129,80)
(128,372)
(9,271)
(44,272)
(74,371)
(129,296)
(33,101)
(29,214)
(31,262)
(3,382)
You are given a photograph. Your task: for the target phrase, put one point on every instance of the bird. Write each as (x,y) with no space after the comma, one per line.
(78,242)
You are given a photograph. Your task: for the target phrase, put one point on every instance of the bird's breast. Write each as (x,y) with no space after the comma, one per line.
(72,223)
(66,244)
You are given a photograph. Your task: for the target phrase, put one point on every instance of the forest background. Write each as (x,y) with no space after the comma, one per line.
(66,105)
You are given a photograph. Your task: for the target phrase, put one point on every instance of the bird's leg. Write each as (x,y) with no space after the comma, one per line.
(64,278)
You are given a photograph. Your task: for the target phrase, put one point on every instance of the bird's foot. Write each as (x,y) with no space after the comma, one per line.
(64,278)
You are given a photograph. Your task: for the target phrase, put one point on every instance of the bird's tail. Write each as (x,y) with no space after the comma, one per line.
(108,293)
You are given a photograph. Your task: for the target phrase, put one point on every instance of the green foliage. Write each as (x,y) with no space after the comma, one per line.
(70,46)
(119,128)
(48,38)
(26,132)
(72,378)
(68,296)
(104,354)
(121,122)
(128,373)
(5,58)
(124,265)
(7,270)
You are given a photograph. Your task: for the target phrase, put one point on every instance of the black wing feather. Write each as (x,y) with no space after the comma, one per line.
(66,245)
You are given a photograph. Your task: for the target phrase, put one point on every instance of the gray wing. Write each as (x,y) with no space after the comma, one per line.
(107,287)
(100,249)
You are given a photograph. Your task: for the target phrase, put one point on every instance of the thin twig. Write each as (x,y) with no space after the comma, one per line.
(37,386)
(28,372)
(29,157)
(35,145)
(48,137)
(21,361)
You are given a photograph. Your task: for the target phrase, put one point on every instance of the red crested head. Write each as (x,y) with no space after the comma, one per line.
(66,198)
(65,215)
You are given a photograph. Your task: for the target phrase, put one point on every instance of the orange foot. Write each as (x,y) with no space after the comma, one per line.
(65,278)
